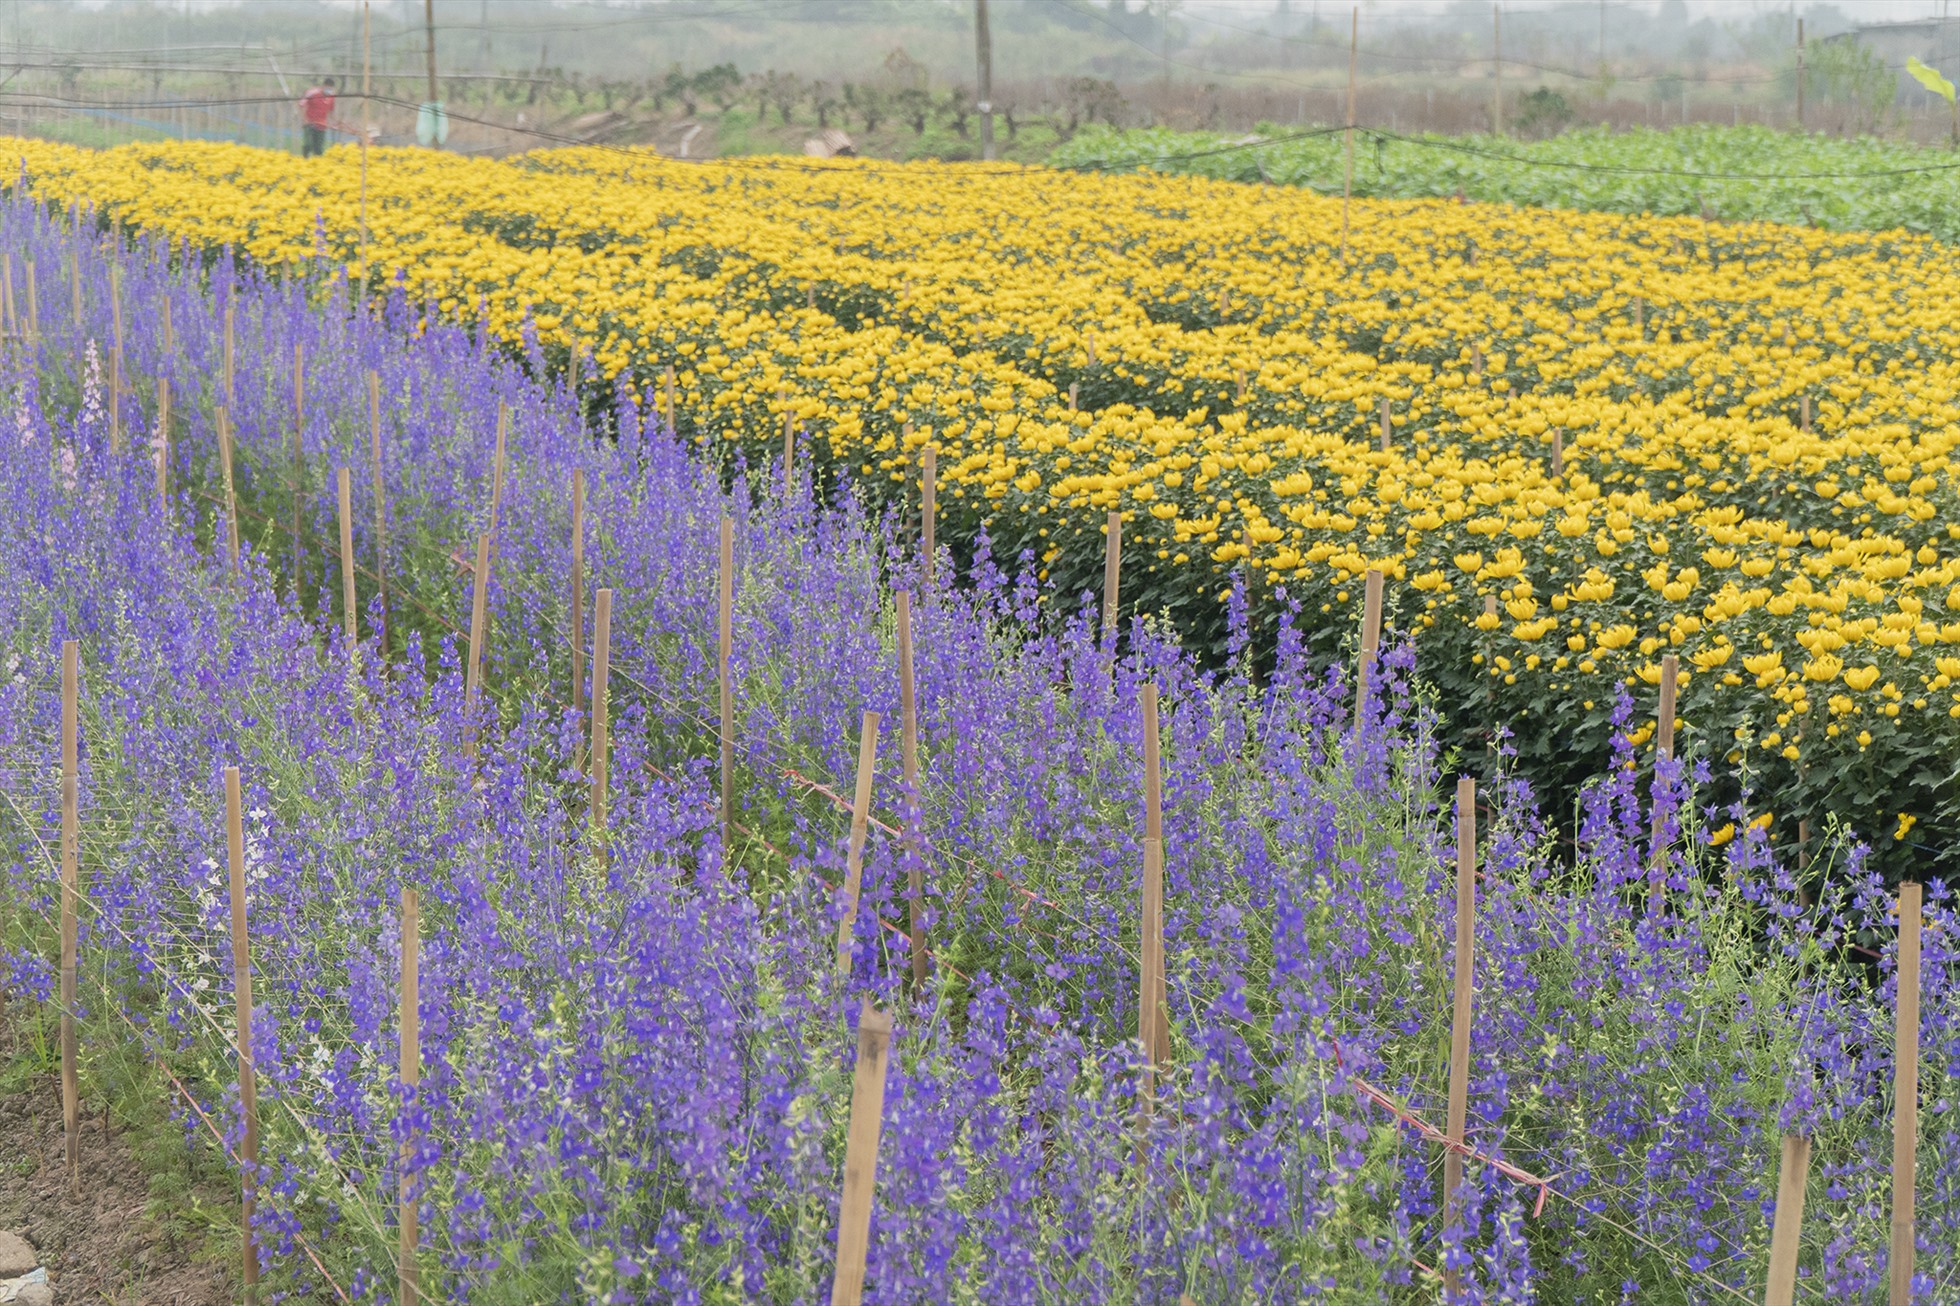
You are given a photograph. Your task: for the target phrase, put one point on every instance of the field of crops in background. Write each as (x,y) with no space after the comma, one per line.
(635,1070)
(1730,174)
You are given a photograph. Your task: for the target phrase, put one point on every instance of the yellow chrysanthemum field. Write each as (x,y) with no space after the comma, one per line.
(1637,435)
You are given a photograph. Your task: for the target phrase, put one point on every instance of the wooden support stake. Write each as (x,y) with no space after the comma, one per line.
(1477,361)
(601,704)
(115,400)
(163,441)
(349,611)
(861,1156)
(409,1276)
(497,467)
(1112,567)
(380,503)
(1786,1233)
(1639,313)
(229,352)
(479,599)
(724,653)
(928,506)
(1905,1098)
(1153,774)
(908,707)
(169,330)
(673,412)
(71,891)
(575,617)
(1239,375)
(1153,1020)
(789,449)
(231,488)
(1466,908)
(1558,451)
(1663,748)
(1074,395)
(75,283)
(33,306)
(1386,436)
(1803,414)
(854,855)
(241,969)
(1664,725)
(1371,638)
(1089,342)
(299,459)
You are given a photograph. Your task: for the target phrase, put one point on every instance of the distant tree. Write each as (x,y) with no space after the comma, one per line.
(722,84)
(677,85)
(1846,71)
(1543,112)
(782,90)
(914,105)
(957,107)
(823,102)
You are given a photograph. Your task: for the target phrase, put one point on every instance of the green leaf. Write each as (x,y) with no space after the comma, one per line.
(1930,78)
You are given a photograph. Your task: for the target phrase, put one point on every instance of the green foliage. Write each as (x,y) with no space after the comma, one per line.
(1737,174)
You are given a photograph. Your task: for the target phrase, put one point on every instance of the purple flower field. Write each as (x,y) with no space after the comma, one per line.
(636,1047)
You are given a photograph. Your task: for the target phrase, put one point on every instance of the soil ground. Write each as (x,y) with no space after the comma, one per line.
(134,1234)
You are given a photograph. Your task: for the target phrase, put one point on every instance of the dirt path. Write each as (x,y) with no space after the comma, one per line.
(108,1244)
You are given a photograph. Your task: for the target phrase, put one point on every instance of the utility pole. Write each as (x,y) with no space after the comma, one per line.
(1496,71)
(1800,74)
(983,46)
(429,26)
(1347,178)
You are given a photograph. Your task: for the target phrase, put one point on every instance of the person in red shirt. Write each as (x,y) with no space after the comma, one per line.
(316,111)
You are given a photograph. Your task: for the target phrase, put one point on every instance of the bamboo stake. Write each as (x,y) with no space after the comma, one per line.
(241,966)
(928,506)
(1153,1022)
(231,489)
(1663,748)
(1112,568)
(409,1274)
(575,621)
(1664,728)
(71,857)
(299,459)
(1466,907)
(1371,637)
(909,755)
(1905,1098)
(497,467)
(789,449)
(380,503)
(724,653)
(861,1156)
(479,598)
(601,704)
(349,613)
(163,441)
(1786,1233)
(854,856)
